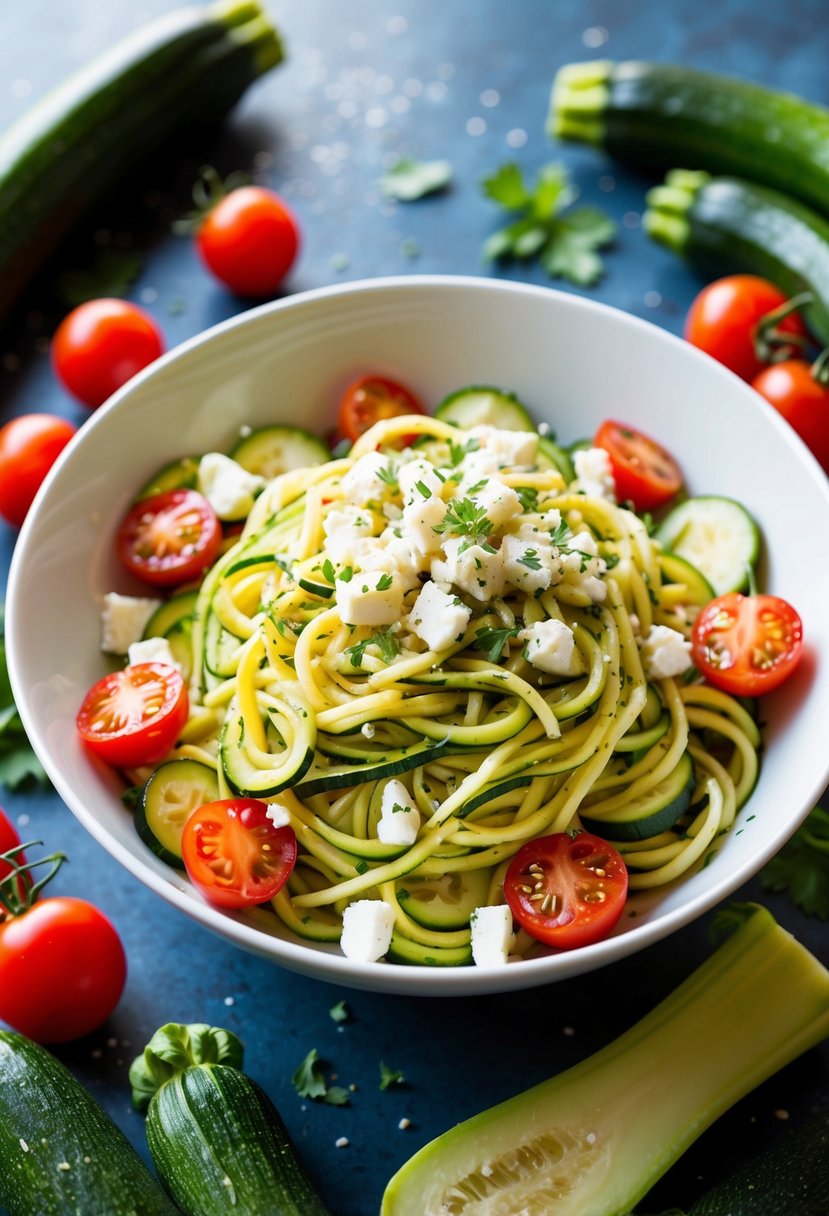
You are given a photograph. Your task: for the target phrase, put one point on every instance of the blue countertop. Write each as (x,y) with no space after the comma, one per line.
(365,83)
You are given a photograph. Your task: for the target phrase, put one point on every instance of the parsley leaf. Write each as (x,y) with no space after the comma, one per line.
(390,1076)
(565,244)
(309,1082)
(18,763)
(467,519)
(384,582)
(385,641)
(493,641)
(339,1012)
(409,179)
(531,559)
(802,866)
(529,498)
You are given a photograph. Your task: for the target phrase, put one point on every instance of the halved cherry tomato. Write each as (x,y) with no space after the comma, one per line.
(249,240)
(747,644)
(372,399)
(644,472)
(235,855)
(101,345)
(724,318)
(170,538)
(567,891)
(29,446)
(134,716)
(802,399)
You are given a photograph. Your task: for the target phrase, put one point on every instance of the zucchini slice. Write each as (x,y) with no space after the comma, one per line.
(168,800)
(676,569)
(647,814)
(484,406)
(551,453)
(178,475)
(171,613)
(715,535)
(272,450)
(445,902)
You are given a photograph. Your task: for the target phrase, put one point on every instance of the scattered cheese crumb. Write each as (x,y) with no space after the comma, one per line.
(665,652)
(23,1145)
(64,1165)
(404,1124)
(279,815)
(152,650)
(367,930)
(123,618)
(229,1001)
(341,1142)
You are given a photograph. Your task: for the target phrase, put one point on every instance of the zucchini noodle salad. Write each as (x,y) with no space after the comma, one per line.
(428,657)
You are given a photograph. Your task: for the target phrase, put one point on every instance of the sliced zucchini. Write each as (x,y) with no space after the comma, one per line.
(717,536)
(484,406)
(550,452)
(445,902)
(403,950)
(393,762)
(168,800)
(257,774)
(221,648)
(272,450)
(676,569)
(171,613)
(179,475)
(180,639)
(647,814)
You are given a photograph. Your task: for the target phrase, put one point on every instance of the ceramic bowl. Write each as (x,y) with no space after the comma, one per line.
(574,362)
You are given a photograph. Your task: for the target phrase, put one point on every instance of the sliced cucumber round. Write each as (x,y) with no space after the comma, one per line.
(272,450)
(717,536)
(484,406)
(179,475)
(168,800)
(648,814)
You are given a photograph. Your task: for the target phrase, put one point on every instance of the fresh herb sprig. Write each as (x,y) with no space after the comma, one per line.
(18,763)
(493,641)
(385,641)
(309,1082)
(467,518)
(802,866)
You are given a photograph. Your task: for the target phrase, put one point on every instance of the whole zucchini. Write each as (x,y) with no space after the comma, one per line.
(723,225)
(216,1138)
(661,115)
(60,1154)
(62,156)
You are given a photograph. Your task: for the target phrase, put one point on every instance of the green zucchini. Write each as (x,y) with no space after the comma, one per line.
(621,817)
(272,450)
(596,1138)
(484,406)
(717,536)
(216,1139)
(725,224)
(60,1154)
(167,801)
(171,613)
(185,69)
(178,475)
(661,115)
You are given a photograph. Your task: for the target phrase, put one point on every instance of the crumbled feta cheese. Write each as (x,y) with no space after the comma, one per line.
(123,618)
(228,487)
(527,564)
(152,650)
(418,479)
(594,472)
(438,618)
(583,567)
(278,814)
(370,598)
(499,501)
(665,652)
(344,530)
(510,447)
(477,570)
(363,481)
(420,519)
(392,554)
(367,929)
(474,467)
(399,820)
(492,936)
(551,647)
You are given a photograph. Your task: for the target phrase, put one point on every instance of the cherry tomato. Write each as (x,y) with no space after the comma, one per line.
(567,891)
(249,240)
(372,399)
(802,400)
(29,446)
(134,716)
(62,969)
(724,317)
(747,644)
(170,538)
(9,839)
(644,473)
(101,345)
(235,855)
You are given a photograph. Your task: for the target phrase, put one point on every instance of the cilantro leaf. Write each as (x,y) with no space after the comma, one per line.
(802,866)
(335,1095)
(18,763)
(565,241)
(390,1076)
(309,1082)
(409,179)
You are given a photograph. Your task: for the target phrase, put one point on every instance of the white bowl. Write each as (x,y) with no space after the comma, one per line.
(574,363)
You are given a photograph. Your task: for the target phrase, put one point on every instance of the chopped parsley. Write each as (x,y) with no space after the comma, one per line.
(493,641)
(423,489)
(309,1082)
(346,574)
(384,582)
(339,1012)
(409,179)
(388,476)
(529,498)
(385,641)
(328,570)
(531,559)
(467,519)
(390,1076)
(802,866)
(457,451)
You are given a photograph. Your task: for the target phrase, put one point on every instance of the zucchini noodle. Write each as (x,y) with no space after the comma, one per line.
(295,703)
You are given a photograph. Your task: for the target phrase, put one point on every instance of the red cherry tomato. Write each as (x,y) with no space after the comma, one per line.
(62,969)
(372,399)
(644,472)
(249,241)
(29,446)
(567,891)
(101,345)
(170,538)
(9,839)
(235,855)
(802,400)
(133,717)
(724,317)
(747,644)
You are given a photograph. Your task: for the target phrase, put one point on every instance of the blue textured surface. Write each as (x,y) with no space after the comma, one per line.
(364,84)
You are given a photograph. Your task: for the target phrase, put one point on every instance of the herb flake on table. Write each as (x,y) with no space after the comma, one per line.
(390,1076)
(802,866)
(309,1082)
(565,241)
(408,180)
(18,763)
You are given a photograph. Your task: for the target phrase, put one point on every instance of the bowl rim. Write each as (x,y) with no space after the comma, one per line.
(305,958)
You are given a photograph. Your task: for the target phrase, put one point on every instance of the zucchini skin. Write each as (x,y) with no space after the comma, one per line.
(221,1148)
(45,1108)
(725,224)
(61,157)
(659,115)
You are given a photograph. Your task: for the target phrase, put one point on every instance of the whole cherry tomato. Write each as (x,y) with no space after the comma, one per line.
(101,345)
(802,398)
(29,446)
(726,317)
(249,240)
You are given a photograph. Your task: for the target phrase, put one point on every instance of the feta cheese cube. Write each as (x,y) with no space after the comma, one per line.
(509,447)
(367,930)
(594,473)
(420,519)
(123,619)
(228,487)
(492,936)
(665,652)
(438,618)
(419,479)
(500,501)
(551,647)
(363,481)
(474,467)
(152,650)
(279,815)
(344,529)
(475,569)
(399,820)
(528,565)
(393,554)
(370,598)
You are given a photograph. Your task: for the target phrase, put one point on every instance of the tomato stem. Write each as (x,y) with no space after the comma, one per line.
(772,344)
(208,190)
(17,897)
(819,370)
